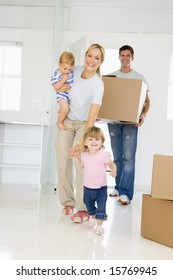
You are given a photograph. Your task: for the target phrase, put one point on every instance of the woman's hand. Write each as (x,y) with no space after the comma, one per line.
(113,173)
(75,150)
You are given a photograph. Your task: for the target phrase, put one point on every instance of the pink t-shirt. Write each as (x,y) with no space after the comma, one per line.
(95,166)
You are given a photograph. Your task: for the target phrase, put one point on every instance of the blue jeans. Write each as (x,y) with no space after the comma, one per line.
(124,143)
(95,201)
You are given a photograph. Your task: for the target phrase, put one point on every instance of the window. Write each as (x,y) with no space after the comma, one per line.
(170,90)
(10,75)
(110,64)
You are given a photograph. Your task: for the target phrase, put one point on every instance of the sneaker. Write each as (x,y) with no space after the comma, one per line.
(99,229)
(92,222)
(114,193)
(123,199)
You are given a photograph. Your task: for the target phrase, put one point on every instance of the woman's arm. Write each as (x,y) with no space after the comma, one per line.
(92,116)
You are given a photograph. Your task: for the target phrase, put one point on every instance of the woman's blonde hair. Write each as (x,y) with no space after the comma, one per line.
(68,58)
(97,46)
(94,132)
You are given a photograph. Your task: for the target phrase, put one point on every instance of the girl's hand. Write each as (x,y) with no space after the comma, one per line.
(113,173)
(113,168)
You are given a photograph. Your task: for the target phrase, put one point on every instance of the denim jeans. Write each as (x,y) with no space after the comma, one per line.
(95,201)
(124,143)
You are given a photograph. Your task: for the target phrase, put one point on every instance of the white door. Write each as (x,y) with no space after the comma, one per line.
(78,48)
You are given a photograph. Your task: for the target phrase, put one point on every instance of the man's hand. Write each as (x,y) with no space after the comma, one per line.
(141,120)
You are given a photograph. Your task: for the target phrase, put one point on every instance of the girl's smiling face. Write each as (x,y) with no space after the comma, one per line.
(93,144)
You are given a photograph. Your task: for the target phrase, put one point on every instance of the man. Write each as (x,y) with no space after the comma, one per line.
(124,136)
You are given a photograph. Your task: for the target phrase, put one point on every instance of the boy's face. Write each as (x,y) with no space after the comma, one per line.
(125,58)
(65,68)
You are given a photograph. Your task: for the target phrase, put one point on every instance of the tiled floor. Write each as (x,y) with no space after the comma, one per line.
(32,227)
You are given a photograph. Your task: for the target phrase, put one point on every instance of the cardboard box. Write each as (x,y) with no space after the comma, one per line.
(123,100)
(157,221)
(162,176)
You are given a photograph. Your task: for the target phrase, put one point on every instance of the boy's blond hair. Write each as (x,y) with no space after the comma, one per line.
(68,58)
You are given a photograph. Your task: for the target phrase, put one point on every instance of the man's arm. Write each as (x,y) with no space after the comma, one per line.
(92,116)
(145,110)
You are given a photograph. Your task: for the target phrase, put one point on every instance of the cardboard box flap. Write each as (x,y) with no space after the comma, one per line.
(156,221)
(162,176)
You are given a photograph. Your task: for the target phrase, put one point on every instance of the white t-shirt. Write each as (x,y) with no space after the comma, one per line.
(84,93)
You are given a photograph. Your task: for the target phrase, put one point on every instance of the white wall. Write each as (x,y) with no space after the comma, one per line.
(149,32)
(25,17)
(119,18)
(151,35)
(34,26)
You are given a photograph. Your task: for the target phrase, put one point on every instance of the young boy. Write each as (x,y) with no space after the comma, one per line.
(63,75)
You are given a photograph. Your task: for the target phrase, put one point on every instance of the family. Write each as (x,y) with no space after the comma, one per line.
(79,91)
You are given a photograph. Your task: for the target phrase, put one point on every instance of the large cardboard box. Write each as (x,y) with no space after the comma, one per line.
(123,100)
(162,176)
(157,221)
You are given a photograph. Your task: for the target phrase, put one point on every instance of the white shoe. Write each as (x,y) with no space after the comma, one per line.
(114,193)
(123,199)
(92,222)
(99,229)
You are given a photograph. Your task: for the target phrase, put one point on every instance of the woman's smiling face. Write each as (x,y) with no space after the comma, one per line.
(93,59)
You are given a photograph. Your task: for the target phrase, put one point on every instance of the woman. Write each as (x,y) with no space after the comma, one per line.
(85,100)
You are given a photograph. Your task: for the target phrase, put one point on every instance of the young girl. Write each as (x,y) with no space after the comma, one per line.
(63,75)
(94,160)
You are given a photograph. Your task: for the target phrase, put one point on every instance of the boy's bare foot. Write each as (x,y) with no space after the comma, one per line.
(61,126)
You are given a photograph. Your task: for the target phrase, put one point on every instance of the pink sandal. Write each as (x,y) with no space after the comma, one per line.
(68,210)
(80,217)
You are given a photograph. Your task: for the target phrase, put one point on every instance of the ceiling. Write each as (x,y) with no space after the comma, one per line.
(158,5)
(123,4)
(44,3)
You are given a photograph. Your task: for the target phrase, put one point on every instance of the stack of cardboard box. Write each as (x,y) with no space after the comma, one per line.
(157,208)
(123,102)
